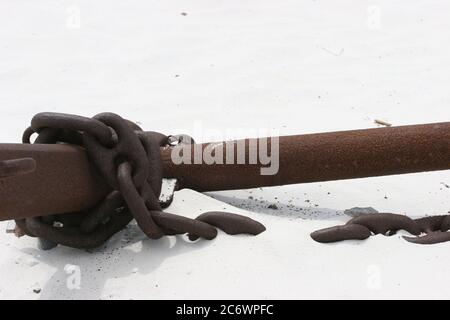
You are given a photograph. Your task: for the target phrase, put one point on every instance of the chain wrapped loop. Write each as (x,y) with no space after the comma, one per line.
(136,203)
(129,160)
(73,123)
(127,148)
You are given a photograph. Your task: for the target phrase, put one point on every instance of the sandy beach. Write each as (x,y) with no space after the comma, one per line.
(227,69)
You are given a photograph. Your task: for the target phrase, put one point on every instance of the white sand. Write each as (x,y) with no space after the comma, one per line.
(296,67)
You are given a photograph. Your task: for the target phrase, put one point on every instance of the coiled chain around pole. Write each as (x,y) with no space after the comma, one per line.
(130,162)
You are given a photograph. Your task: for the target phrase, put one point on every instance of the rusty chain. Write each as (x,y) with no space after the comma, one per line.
(130,162)
(435,228)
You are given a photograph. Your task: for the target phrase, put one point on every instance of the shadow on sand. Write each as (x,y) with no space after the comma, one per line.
(120,257)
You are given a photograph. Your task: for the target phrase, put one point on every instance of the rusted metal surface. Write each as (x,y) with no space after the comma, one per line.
(129,162)
(328,156)
(63,181)
(84,179)
(360,228)
(16,167)
(72,185)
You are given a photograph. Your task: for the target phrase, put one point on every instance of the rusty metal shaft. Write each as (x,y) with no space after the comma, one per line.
(330,156)
(64,181)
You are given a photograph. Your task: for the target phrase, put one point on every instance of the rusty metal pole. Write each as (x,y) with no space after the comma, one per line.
(329,156)
(64,181)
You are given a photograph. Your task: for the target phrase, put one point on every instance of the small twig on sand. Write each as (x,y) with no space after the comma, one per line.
(383,123)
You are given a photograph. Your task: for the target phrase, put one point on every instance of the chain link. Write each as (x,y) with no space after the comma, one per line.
(129,160)
(360,228)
